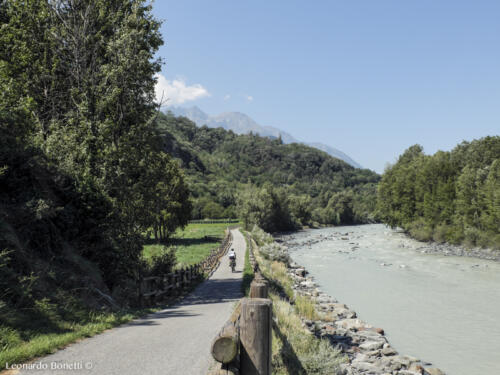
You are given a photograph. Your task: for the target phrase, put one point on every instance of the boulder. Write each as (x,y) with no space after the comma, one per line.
(371,345)
(389,351)
(416,368)
(364,366)
(307,284)
(401,360)
(433,371)
(351,324)
(300,272)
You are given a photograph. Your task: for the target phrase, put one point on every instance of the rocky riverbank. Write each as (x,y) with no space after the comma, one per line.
(366,347)
(446,249)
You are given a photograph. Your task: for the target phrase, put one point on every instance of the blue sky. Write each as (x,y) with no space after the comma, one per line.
(370,78)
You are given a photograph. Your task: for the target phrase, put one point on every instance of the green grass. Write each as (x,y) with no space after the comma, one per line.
(193,244)
(296,351)
(27,336)
(247,271)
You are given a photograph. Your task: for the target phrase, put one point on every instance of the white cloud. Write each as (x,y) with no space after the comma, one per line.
(177,92)
(227,97)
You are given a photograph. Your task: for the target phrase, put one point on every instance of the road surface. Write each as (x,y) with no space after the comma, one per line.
(172,341)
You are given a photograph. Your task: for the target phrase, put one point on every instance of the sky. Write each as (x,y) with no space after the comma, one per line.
(368,77)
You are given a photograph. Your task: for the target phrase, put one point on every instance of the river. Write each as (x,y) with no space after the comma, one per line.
(441,309)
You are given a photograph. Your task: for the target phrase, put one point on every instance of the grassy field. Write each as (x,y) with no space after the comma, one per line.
(192,244)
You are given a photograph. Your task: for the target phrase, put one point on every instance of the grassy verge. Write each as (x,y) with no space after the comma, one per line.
(295,349)
(193,244)
(35,336)
(247,271)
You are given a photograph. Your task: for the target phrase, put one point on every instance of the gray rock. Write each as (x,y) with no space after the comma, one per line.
(351,324)
(401,360)
(433,371)
(373,353)
(300,272)
(365,366)
(389,351)
(307,284)
(411,359)
(371,345)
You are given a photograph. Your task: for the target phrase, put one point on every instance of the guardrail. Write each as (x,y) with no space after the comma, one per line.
(243,346)
(153,288)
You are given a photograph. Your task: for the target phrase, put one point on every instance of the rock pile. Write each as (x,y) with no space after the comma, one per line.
(366,347)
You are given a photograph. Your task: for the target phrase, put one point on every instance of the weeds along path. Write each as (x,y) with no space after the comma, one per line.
(172,341)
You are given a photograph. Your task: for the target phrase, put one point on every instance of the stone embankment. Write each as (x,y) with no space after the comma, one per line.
(366,347)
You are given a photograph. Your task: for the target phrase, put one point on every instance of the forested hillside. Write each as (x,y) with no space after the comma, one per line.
(262,180)
(449,196)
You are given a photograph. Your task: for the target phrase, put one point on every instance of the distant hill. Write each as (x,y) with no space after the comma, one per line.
(219,164)
(241,123)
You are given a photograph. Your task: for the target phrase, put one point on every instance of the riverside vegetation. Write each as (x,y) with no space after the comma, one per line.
(446,197)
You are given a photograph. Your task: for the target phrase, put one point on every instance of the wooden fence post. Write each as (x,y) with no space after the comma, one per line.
(256,336)
(259,288)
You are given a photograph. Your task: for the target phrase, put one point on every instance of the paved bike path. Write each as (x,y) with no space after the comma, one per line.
(172,341)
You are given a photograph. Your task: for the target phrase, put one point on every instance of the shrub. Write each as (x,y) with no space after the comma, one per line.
(495,242)
(9,338)
(260,236)
(164,262)
(441,233)
(420,230)
(305,308)
(472,236)
(275,252)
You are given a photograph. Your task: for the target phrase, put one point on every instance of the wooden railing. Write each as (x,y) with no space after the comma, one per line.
(153,288)
(214,221)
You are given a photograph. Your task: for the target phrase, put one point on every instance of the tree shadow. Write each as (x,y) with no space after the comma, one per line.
(183,241)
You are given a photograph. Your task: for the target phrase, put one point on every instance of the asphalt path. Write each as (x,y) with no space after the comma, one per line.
(172,341)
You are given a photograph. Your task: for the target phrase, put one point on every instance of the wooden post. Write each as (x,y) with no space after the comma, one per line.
(225,346)
(259,288)
(255,336)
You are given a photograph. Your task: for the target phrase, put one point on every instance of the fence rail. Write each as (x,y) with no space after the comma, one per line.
(152,288)
(214,221)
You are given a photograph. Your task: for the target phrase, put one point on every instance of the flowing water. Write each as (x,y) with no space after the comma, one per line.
(441,309)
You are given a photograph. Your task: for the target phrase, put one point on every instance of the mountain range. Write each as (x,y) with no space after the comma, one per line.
(241,123)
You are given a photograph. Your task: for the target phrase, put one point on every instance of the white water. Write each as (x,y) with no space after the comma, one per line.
(441,309)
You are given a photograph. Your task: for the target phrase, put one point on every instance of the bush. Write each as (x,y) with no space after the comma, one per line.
(472,236)
(495,242)
(442,233)
(164,262)
(260,236)
(305,308)
(420,230)
(9,338)
(275,252)
(484,240)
